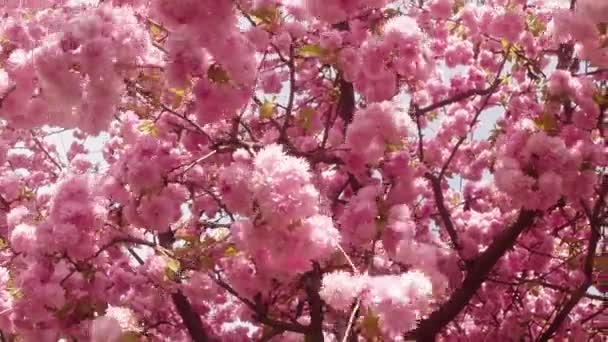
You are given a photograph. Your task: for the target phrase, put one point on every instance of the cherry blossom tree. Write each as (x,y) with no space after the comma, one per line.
(304,170)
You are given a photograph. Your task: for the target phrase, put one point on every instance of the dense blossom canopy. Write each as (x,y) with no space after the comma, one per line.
(304,170)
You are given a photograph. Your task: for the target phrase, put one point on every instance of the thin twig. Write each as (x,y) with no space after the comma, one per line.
(348,259)
(193,163)
(44,150)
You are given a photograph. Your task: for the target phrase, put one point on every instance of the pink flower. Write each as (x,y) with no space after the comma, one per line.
(358,221)
(508,25)
(560,83)
(330,11)
(374,128)
(24,238)
(74,203)
(105,329)
(271,83)
(282,186)
(441,8)
(340,289)
(259,38)
(398,300)
(550,186)
(16,216)
(595,10)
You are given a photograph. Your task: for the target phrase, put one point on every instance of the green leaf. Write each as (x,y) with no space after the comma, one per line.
(305,118)
(390,13)
(266,110)
(509,49)
(130,336)
(177,96)
(370,325)
(140,110)
(505,79)
(494,133)
(458,5)
(148,127)
(601,263)
(173,265)
(156,32)
(601,99)
(231,251)
(535,291)
(63,313)
(504,100)
(206,262)
(455,199)
(25,193)
(178,92)
(546,122)
(535,25)
(394,147)
(217,74)
(265,15)
(190,238)
(13,290)
(172,269)
(311,50)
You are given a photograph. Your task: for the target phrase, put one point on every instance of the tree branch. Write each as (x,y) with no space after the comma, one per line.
(190,318)
(594,222)
(443,211)
(259,315)
(346,102)
(46,152)
(477,274)
(578,294)
(456,98)
(312,286)
(487,93)
(292,94)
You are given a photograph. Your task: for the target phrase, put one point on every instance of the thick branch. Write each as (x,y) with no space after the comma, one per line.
(124,239)
(431,326)
(594,222)
(6,206)
(346,102)
(541,283)
(190,318)
(260,313)
(578,294)
(313,285)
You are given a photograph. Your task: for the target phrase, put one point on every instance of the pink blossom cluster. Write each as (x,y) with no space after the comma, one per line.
(65,68)
(397,300)
(302,170)
(536,169)
(287,231)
